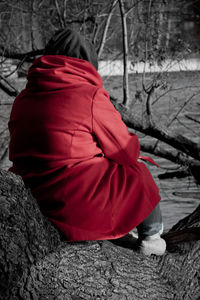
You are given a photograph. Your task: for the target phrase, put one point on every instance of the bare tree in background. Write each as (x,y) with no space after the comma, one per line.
(153,51)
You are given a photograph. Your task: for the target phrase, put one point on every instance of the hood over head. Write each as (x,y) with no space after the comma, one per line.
(54,72)
(68,59)
(70,43)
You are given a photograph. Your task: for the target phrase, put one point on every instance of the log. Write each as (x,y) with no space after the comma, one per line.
(36,263)
(175,140)
(27,56)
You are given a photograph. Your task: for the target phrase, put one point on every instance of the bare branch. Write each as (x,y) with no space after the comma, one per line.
(6,86)
(177,141)
(3,156)
(126,97)
(145,59)
(19,65)
(65,12)
(103,38)
(175,156)
(28,56)
(148,102)
(132,7)
(173,90)
(181,108)
(60,18)
(81,21)
(192,118)
(187,127)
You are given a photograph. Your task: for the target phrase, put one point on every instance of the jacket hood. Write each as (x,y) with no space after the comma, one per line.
(70,43)
(54,72)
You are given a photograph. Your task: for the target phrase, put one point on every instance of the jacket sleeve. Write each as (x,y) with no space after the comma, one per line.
(112,134)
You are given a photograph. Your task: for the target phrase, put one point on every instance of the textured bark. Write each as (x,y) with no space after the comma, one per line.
(35,263)
(105,31)
(126,97)
(27,56)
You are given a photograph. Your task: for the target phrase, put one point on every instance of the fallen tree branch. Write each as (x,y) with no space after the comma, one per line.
(27,56)
(187,234)
(176,157)
(177,174)
(177,141)
(185,195)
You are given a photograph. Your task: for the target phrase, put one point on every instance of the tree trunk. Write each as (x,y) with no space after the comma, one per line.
(126,97)
(105,31)
(35,263)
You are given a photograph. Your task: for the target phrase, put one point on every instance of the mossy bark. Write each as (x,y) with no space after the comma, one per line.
(35,263)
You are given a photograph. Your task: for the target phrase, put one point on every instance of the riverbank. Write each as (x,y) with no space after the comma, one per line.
(115,68)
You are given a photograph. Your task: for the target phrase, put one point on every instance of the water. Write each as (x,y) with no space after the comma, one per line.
(113,68)
(180,196)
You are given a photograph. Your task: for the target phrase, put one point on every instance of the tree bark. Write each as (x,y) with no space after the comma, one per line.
(105,31)
(35,263)
(26,57)
(126,97)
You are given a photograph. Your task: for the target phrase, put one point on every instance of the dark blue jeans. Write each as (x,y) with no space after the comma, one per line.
(152,224)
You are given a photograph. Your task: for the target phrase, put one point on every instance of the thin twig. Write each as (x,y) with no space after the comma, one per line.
(145,59)
(3,131)
(62,24)
(131,8)
(193,119)
(65,12)
(17,68)
(125,53)
(172,90)
(103,39)
(148,102)
(181,108)
(187,127)
(4,155)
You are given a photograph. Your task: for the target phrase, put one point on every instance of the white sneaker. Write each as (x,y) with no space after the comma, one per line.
(152,245)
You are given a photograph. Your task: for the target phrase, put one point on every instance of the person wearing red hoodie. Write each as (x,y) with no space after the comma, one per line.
(74,152)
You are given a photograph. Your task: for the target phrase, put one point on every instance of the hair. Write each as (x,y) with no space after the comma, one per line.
(70,43)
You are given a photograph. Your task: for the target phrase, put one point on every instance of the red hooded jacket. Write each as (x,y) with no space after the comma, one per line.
(72,149)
